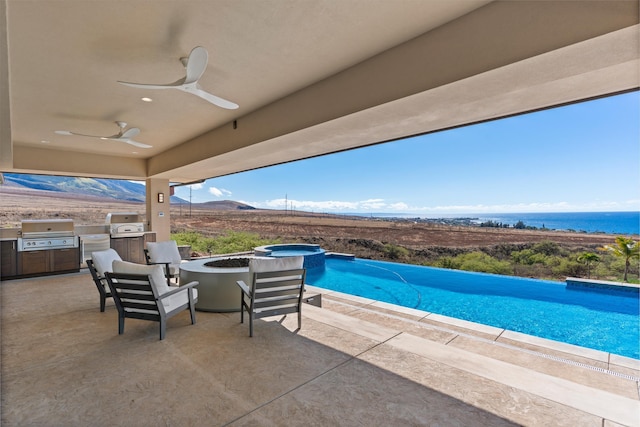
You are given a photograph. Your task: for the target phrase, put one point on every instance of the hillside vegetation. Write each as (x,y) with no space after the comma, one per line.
(526,253)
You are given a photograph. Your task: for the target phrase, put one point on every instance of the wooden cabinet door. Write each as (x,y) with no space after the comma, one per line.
(65,259)
(136,250)
(8,258)
(34,262)
(120,245)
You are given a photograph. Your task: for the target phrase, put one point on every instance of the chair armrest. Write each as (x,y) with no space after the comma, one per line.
(179,289)
(244,287)
(166,264)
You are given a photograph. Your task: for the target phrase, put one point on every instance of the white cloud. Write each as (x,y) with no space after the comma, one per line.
(532,207)
(219,192)
(378,205)
(195,186)
(400,207)
(381,206)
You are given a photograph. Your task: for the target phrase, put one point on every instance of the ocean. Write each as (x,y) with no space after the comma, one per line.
(591,222)
(623,223)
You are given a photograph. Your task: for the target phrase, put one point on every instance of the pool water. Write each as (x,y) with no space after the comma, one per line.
(604,319)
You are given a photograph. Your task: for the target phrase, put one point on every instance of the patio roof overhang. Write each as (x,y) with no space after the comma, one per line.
(311,78)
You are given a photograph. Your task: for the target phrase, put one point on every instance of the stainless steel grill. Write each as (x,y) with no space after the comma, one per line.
(127,224)
(42,234)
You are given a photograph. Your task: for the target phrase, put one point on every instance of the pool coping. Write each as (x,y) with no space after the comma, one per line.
(603,283)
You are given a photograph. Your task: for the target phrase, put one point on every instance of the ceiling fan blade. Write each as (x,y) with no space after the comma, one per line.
(66,132)
(216,100)
(130,133)
(173,85)
(121,137)
(134,143)
(196,64)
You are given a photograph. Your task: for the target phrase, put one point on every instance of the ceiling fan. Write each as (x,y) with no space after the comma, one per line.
(122,136)
(195,66)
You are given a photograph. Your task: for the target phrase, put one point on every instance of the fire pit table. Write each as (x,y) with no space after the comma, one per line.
(217,291)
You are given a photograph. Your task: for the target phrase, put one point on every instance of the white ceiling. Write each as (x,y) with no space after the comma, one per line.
(311,77)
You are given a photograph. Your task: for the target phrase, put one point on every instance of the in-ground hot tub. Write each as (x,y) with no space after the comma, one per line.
(217,291)
(313,254)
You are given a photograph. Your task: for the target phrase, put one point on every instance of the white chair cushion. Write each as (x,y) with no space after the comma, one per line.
(103,260)
(164,252)
(158,281)
(259,265)
(176,300)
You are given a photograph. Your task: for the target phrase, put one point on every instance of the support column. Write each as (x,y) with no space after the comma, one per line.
(158,208)
(6,139)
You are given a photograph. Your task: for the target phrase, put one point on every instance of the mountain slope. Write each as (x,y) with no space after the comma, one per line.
(112,188)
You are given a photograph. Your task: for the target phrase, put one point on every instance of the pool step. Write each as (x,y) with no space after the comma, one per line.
(590,367)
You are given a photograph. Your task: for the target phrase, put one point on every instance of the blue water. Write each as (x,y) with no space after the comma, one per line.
(591,222)
(627,223)
(606,319)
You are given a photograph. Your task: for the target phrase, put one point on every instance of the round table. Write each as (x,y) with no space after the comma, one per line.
(217,291)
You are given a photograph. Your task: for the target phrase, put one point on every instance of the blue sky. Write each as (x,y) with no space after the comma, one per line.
(579,158)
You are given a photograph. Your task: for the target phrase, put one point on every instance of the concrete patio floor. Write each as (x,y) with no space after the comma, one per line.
(354,362)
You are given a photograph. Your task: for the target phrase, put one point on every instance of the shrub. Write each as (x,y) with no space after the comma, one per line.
(198,242)
(231,242)
(475,261)
(395,252)
(567,268)
(238,241)
(451,263)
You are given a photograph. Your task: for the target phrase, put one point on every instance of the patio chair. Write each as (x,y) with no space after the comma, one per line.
(276,288)
(99,264)
(166,254)
(141,292)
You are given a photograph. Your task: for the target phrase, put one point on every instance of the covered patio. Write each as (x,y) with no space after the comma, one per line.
(354,362)
(311,78)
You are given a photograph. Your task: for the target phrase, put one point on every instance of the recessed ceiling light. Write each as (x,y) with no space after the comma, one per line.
(145,99)
(44,141)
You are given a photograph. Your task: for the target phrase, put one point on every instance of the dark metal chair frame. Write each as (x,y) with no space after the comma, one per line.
(101,284)
(272,293)
(134,292)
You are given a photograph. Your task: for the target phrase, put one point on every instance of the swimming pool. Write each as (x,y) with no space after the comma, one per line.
(603,319)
